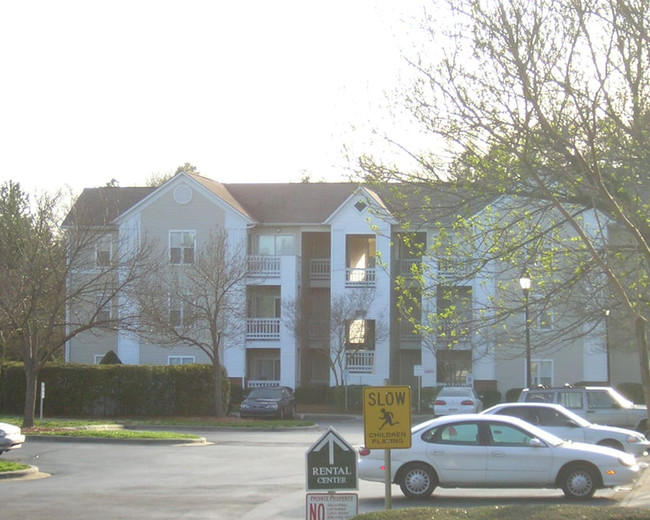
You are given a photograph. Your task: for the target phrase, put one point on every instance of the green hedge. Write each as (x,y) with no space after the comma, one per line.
(116,390)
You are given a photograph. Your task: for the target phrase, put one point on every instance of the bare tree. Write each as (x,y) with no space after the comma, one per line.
(545,102)
(198,304)
(53,285)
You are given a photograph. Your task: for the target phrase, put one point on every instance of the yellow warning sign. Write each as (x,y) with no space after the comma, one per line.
(387,417)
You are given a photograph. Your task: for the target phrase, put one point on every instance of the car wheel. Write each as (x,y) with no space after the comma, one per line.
(579,482)
(417,480)
(610,443)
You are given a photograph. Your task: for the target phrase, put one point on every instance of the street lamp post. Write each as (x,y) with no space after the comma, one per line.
(524,282)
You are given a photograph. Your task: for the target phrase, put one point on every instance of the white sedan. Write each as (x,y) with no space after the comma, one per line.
(456,399)
(493,451)
(10,437)
(560,421)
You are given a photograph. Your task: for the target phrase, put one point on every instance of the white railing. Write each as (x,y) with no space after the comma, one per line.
(357,277)
(361,361)
(261,383)
(406,266)
(264,266)
(406,332)
(454,268)
(319,269)
(267,329)
(319,329)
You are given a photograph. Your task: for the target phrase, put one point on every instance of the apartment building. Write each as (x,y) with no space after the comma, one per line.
(321,304)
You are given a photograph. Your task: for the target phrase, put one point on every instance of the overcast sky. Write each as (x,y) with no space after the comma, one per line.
(251,91)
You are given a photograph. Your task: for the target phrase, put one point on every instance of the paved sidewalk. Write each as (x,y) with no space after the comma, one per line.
(640,494)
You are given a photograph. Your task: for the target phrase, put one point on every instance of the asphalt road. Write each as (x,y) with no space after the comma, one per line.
(245,475)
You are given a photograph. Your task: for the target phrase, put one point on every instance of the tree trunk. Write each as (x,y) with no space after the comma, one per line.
(640,329)
(218,401)
(31,382)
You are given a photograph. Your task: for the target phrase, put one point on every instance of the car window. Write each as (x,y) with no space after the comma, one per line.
(571,400)
(546,397)
(550,417)
(456,392)
(599,399)
(523,412)
(456,433)
(506,435)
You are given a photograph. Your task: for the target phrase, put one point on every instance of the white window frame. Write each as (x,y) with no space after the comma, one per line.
(100,249)
(182,360)
(278,249)
(180,304)
(549,368)
(97,359)
(107,310)
(182,247)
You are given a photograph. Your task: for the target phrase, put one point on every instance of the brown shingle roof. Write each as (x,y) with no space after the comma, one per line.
(100,206)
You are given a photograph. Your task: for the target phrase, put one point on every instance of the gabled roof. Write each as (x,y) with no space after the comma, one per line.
(101,206)
(289,203)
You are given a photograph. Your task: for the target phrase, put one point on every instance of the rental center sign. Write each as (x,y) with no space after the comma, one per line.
(331,464)
(387,417)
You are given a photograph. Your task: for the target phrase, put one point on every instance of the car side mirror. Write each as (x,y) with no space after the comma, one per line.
(571,424)
(536,443)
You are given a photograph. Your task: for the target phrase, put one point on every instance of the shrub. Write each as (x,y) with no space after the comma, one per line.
(633,391)
(513,394)
(490,398)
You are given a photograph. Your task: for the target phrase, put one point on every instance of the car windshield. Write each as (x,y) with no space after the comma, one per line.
(455,392)
(625,403)
(580,421)
(265,393)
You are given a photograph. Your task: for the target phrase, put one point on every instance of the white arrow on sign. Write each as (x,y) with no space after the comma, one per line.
(330,439)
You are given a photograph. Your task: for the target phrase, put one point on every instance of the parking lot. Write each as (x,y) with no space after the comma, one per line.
(239,474)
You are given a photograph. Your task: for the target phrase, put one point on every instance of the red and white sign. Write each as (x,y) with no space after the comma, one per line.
(332,506)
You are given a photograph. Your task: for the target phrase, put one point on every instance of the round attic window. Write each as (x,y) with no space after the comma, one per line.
(183,194)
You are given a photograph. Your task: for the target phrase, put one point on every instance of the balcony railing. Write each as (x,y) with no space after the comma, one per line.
(406,266)
(319,269)
(265,329)
(264,266)
(406,332)
(262,383)
(454,268)
(358,277)
(360,361)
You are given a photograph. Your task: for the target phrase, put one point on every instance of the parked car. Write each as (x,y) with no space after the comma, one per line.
(597,404)
(10,437)
(496,451)
(456,399)
(563,423)
(278,402)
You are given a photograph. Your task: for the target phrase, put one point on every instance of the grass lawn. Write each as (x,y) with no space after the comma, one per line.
(8,465)
(555,512)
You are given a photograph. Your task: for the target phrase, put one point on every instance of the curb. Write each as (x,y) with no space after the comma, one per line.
(21,473)
(201,441)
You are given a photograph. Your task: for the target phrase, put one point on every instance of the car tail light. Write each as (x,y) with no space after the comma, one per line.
(363,451)
(440,402)
(467,402)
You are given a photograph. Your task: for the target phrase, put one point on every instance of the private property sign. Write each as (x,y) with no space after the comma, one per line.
(387,417)
(331,464)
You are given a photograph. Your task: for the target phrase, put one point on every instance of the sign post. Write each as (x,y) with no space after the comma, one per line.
(387,423)
(331,466)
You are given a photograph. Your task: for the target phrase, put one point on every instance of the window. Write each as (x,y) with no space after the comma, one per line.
(360,334)
(571,400)
(182,247)
(266,369)
(542,372)
(545,319)
(180,312)
(103,252)
(504,435)
(457,433)
(600,400)
(104,308)
(180,360)
(277,245)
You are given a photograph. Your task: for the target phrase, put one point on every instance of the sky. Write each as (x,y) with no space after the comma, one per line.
(250,91)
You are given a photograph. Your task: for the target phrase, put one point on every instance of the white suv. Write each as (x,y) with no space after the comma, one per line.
(597,404)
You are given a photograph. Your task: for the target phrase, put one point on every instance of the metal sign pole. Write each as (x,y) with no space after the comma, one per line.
(388,500)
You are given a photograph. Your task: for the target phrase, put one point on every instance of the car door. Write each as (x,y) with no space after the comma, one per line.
(456,453)
(554,421)
(603,409)
(513,461)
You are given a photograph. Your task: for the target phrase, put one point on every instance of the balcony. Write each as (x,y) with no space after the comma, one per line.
(319,329)
(359,277)
(264,266)
(406,266)
(262,383)
(454,268)
(263,329)
(407,334)
(360,361)
(319,269)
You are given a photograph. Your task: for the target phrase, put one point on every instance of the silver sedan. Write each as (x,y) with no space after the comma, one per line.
(10,437)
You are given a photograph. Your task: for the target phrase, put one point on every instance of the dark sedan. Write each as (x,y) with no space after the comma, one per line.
(274,402)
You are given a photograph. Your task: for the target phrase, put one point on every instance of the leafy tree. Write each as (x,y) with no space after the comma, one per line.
(543,104)
(201,304)
(51,284)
